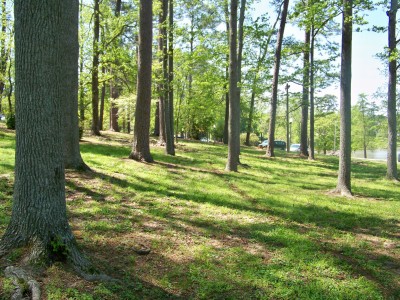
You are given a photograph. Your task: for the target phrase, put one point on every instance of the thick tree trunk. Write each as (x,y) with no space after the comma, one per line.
(169,109)
(72,154)
(234,104)
(141,147)
(392,122)
(305,103)
(41,60)
(344,178)
(275,80)
(312,90)
(95,70)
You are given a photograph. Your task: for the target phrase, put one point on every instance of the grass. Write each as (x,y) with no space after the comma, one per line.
(270,231)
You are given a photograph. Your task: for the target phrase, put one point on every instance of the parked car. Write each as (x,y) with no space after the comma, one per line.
(2,117)
(277,144)
(294,147)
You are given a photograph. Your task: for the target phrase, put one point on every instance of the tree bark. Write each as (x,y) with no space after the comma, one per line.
(157,120)
(234,104)
(344,178)
(250,123)
(169,108)
(95,70)
(312,90)
(392,93)
(72,154)
(41,59)
(275,80)
(161,86)
(141,147)
(305,103)
(3,58)
(102,100)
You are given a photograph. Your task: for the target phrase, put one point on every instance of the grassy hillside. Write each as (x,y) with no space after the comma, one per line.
(270,231)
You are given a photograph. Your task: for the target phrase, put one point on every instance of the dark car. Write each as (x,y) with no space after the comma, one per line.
(277,145)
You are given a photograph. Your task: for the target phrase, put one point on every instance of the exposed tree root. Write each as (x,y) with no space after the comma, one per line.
(345,192)
(22,280)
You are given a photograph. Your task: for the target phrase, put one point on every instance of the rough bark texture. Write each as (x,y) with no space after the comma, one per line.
(344,178)
(305,103)
(234,105)
(72,154)
(274,100)
(95,70)
(141,147)
(41,60)
(312,90)
(391,110)
(169,107)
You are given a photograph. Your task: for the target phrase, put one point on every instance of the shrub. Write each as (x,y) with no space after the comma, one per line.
(254,139)
(10,121)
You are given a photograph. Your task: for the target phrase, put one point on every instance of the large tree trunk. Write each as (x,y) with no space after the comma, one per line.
(41,56)
(392,122)
(95,70)
(305,103)
(72,154)
(275,80)
(344,178)
(312,90)
(169,107)
(234,104)
(141,147)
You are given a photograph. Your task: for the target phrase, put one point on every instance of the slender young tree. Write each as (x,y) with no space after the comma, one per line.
(344,178)
(234,104)
(306,93)
(39,217)
(274,100)
(391,109)
(163,73)
(141,147)
(95,70)
(226,123)
(3,50)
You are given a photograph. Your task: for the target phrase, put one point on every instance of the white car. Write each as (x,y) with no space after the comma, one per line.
(294,147)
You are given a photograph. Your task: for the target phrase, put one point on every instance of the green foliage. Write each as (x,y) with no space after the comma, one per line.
(10,121)
(254,139)
(58,249)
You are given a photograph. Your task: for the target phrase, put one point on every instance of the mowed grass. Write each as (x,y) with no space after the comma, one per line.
(270,231)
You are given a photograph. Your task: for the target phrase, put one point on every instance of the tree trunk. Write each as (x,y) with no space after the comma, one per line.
(275,80)
(161,86)
(114,88)
(72,154)
(3,58)
(81,83)
(169,107)
(234,104)
(95,70)
(157,120)
(392,122)
(226,123)
(102,100)
(306,85)
(141,147)
(312,90)
(252,100)
(344,178)
(41,60)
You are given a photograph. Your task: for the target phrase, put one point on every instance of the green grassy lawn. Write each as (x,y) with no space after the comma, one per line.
(270,231)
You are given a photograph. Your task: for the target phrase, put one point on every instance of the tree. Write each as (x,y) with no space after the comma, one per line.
(344,177)
(306,94)
(391,108)
(141,148)
(274,100)
(41,59)
(72,155)
(95,70)
(234,104)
